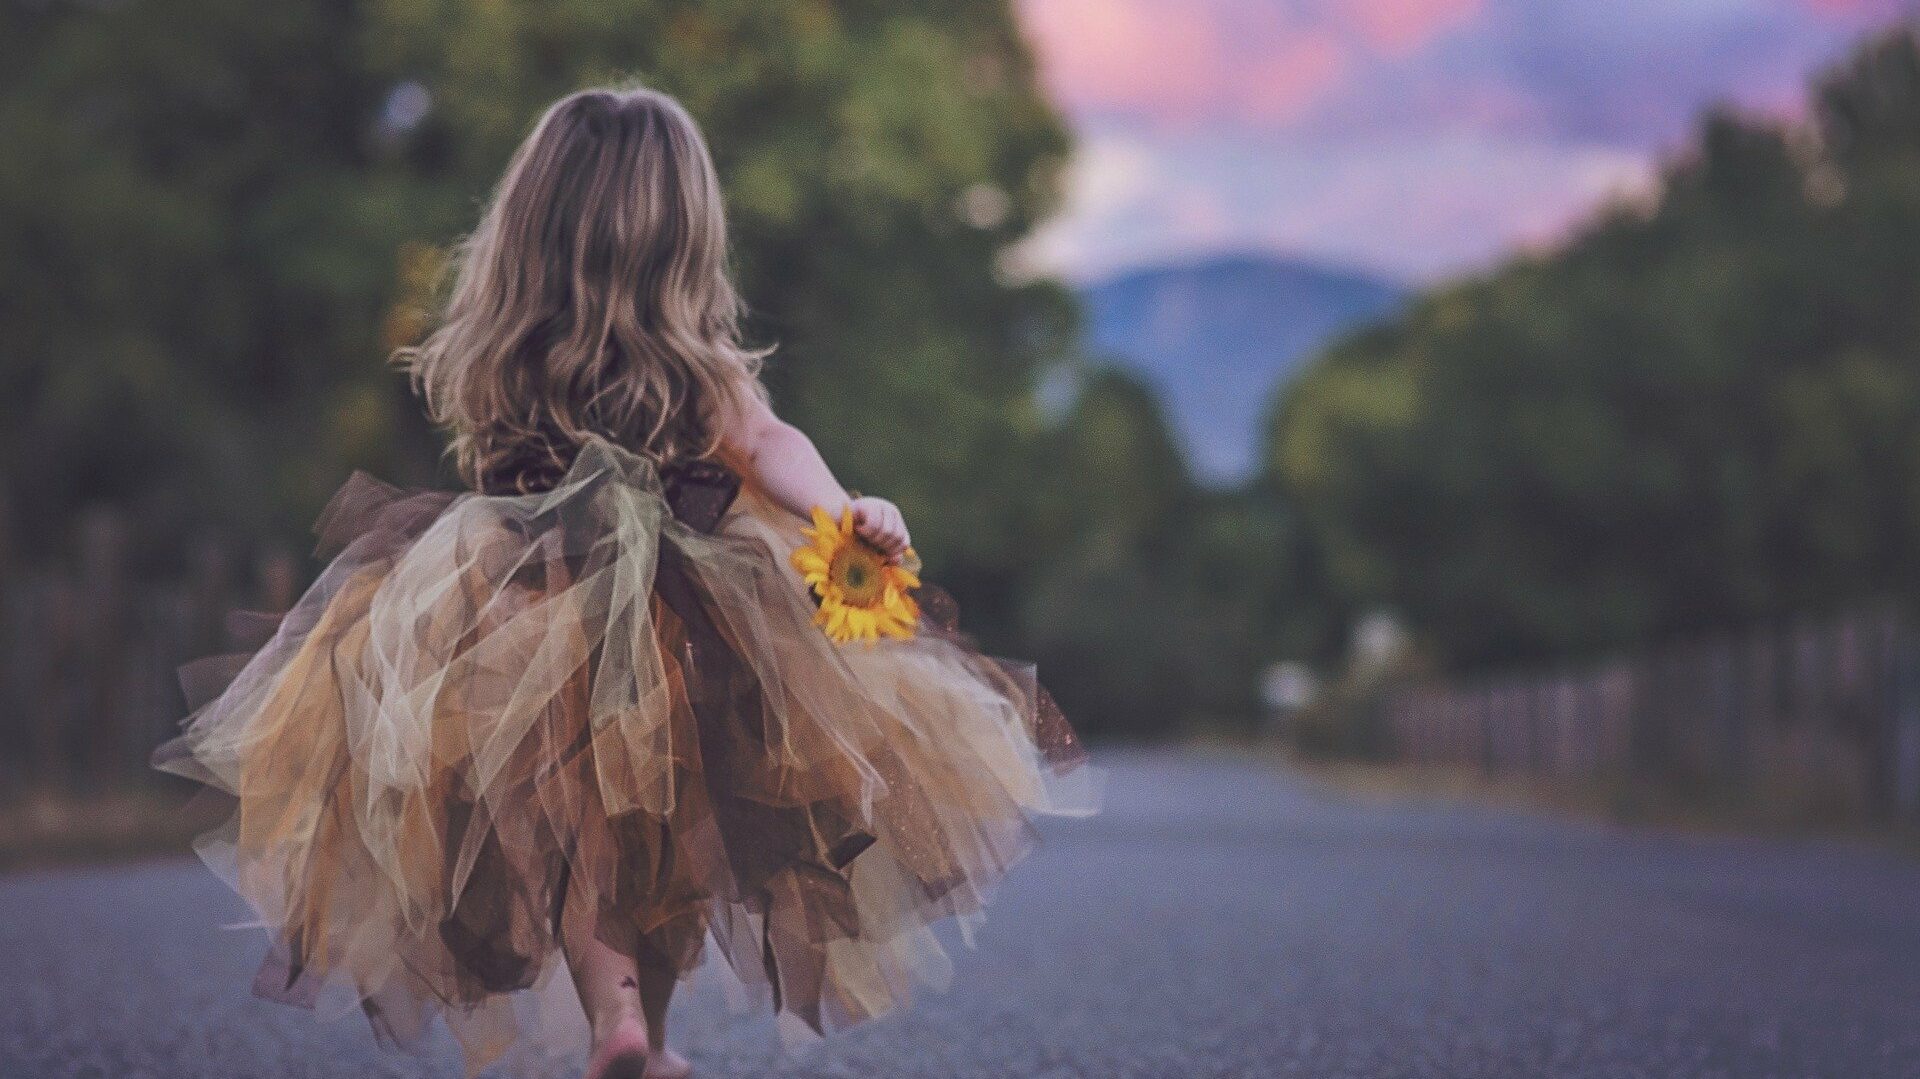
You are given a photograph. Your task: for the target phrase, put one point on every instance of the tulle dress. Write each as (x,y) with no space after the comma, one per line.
(608,692)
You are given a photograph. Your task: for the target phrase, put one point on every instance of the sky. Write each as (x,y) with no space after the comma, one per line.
(1413,138)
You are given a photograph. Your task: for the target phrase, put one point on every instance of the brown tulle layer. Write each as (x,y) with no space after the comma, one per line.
(491,710)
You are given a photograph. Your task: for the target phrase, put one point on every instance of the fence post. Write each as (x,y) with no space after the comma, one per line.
(1738,740)
(1903,689)
(1888,629)
(212,595)
(279,577)
(56,685)
(103,589)
(12,714)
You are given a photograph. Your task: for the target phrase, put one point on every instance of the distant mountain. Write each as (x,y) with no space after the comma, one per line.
(1216,337)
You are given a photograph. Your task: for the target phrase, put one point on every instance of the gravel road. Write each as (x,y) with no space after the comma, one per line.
(1222,918)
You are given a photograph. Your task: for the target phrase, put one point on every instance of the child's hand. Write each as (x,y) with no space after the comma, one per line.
(879,522)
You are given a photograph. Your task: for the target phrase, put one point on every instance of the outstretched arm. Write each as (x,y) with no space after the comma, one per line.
(782,461)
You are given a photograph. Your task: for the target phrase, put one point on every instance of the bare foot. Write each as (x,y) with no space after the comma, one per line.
(667,1064)
(622,1053)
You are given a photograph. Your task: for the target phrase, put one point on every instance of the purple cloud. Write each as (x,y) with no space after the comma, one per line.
(1419,137)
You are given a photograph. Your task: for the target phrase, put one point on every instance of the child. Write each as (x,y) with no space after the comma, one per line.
(588,710)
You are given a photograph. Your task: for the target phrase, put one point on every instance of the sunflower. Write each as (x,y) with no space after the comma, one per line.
(862,596)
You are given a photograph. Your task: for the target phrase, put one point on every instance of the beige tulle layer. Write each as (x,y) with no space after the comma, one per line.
(492,709)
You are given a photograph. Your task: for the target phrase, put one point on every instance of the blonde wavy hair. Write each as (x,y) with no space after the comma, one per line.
(593,299)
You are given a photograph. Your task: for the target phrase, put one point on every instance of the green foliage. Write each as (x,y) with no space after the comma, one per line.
(850,137)
(200,241)
(222,216)
(216,218)
(1153,603)
(1701,412)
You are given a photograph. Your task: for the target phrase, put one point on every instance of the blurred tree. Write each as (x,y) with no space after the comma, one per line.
(877,159)
(225,214)
(1107,615)
(1153,604)
(200,241)
(1702,411)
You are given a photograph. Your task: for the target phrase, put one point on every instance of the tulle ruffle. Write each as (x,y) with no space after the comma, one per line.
(490,708)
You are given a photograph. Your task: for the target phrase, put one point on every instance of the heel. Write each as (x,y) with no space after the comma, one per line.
(629,1065)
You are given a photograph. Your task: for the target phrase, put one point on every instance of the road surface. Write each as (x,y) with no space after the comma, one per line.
(1222,918)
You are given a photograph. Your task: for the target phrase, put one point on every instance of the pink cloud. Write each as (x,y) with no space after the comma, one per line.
(1420,136)
(1285,85)
(1261,61)
(1121,54)
(1399,27)
(1178,62)
(1856,9)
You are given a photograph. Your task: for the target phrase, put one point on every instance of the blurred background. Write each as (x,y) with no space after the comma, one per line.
(1523,388)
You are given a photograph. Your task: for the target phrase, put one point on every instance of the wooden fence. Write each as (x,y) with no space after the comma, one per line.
(1814,711)
(1823,715)
(88,654)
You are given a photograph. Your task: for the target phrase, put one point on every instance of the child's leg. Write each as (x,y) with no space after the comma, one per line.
(609,987)
(657,984)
